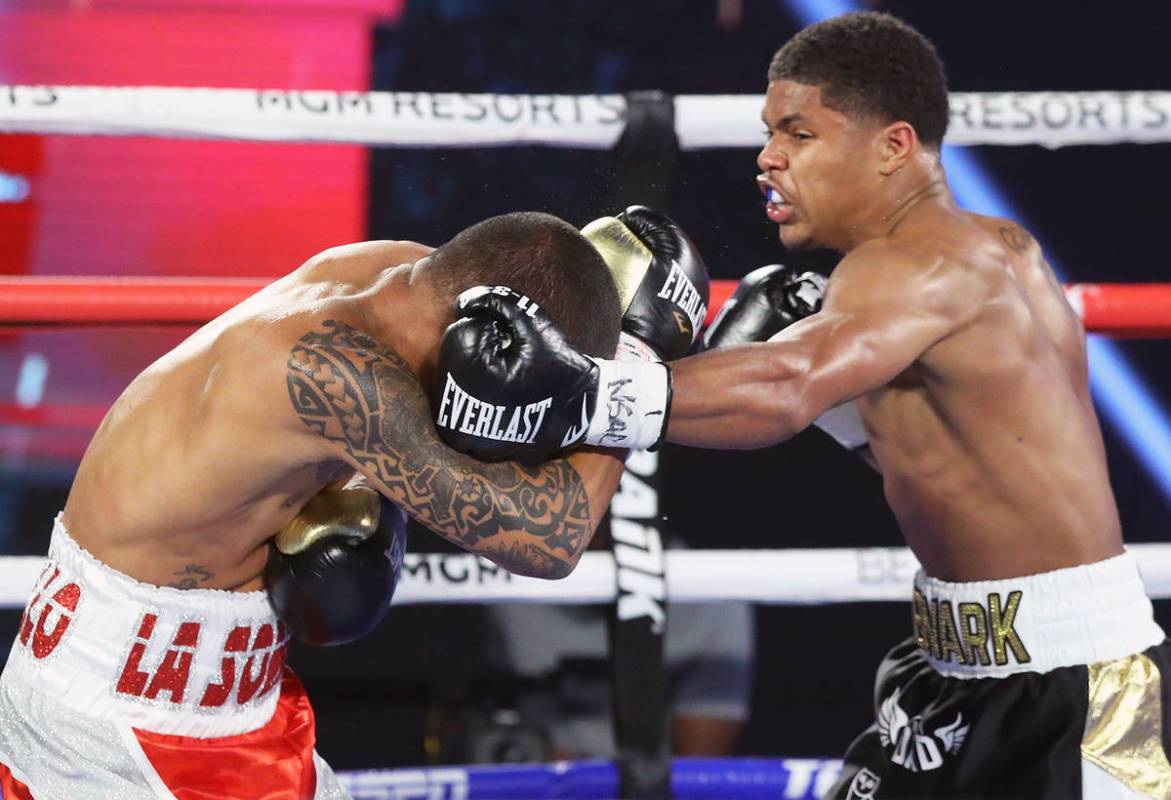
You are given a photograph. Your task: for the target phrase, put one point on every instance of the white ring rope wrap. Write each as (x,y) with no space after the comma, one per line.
(426,119)
(831,575)
(411,119)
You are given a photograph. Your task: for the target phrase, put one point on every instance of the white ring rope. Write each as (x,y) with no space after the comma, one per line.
(426,119)
(794,577)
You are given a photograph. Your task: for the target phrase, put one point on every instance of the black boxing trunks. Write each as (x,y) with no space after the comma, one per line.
(1047,686)
(119,689)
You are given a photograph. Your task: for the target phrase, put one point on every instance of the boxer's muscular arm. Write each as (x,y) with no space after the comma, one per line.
(878,318)
(363,398)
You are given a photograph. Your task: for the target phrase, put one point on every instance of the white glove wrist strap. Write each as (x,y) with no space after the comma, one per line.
(632,348)
(632,404)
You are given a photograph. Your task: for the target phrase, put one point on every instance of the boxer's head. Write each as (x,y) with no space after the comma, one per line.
(540,256)
(851,101)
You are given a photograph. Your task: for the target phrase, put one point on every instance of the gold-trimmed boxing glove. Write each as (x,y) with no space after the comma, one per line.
(332,570)
(662,281)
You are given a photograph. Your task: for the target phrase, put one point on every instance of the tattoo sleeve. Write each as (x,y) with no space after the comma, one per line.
(363,396)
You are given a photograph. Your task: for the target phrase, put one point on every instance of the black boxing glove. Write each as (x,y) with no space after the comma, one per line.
(509,385)
(332,571)
(767,301)
(662,282)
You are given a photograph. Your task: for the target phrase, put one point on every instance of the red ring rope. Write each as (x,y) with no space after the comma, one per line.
(1135,310)
(1130,310)
(127,301)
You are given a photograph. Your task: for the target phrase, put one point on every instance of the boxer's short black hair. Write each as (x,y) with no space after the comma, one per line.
(870,64)
(545,258)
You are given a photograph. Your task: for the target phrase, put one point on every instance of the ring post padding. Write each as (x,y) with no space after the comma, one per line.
(644,157)
(637,625)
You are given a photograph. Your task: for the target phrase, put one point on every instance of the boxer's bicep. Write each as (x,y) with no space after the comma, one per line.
(364,400)
(851,354)
(756,395)
(881,315)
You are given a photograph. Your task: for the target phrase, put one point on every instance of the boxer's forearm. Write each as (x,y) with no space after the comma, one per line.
(739,398)
(600,469)
(364,404)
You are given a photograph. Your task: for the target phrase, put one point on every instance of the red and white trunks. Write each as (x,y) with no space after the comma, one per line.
(120,689)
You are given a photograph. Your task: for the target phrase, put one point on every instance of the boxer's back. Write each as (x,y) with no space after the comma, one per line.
(989,445)
(201,459)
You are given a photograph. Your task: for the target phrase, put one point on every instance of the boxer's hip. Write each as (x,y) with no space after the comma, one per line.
(1050,685)
(115,688)
(193,662)
(55,752)
(1083,731)
(992,629)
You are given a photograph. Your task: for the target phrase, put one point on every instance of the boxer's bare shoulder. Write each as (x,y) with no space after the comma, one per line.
(359,261)
(896,284)
(220,494)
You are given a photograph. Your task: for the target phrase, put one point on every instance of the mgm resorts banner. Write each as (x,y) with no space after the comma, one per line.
(449,119)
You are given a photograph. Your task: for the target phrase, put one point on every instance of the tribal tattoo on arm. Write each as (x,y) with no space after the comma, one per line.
(364,397)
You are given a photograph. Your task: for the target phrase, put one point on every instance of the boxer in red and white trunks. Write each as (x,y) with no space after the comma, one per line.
(150,661)
(121,689)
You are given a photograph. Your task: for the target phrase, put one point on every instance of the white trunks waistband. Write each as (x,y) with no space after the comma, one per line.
(1037,623)
(192,662)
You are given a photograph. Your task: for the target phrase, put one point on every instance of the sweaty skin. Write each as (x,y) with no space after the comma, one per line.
(951,331)
(217,445)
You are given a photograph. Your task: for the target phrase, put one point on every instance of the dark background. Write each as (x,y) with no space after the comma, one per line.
(1100,212)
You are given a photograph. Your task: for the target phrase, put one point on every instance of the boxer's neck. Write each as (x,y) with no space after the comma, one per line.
(919,182)
(402,312)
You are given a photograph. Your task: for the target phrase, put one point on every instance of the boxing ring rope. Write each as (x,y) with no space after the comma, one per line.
(790,576)
(428,119)
(422,119)
(1140,310)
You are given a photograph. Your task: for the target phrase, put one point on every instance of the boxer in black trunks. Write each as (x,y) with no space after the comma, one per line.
(1035,668)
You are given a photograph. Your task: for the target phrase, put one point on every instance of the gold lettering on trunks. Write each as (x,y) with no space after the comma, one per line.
(962,634)
(974,632)
(949,641)
(926,634)
(1003,633)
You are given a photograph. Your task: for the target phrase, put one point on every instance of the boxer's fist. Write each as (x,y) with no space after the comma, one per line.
(332,571)
(509,385)
(662,281)
(767,301)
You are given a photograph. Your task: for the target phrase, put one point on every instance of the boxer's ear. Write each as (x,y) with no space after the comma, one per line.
(897,143)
